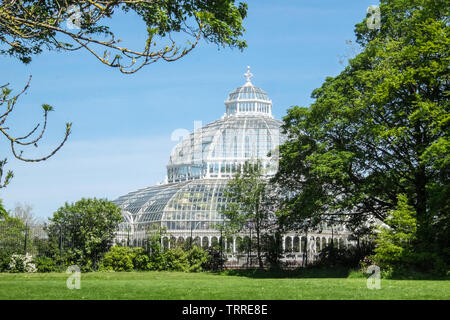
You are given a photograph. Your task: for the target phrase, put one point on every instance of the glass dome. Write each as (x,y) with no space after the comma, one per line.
(218,149)
(189,203)
(201,164)
(248,92)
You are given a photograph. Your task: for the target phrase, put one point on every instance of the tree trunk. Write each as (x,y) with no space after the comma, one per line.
(258,244)
(306,248)
(423,221)
(258,232)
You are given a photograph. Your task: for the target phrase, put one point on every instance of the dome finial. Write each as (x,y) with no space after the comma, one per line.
(248,75)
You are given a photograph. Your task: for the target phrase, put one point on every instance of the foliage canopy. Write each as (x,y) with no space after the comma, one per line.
(29,27)
(85,229)
(379,129)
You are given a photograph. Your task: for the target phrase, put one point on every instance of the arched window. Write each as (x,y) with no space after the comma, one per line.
(288,244)
(296,244)
(173,242)
(180,242)
(165,243)
(229,245)
(196,241)
(303,245)
(205,242)
(214,242)
(238,243)
(341,243)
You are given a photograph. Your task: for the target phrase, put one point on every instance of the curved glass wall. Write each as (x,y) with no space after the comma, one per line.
(192,205)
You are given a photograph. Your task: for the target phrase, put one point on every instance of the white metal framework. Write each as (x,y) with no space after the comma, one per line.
(189,203)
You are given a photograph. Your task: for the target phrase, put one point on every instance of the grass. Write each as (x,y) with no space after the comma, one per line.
(200,286)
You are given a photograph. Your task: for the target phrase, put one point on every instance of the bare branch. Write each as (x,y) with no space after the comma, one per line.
(27,139)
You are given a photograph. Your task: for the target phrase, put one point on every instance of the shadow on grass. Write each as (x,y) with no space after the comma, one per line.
(312,272)
(415,275)
(329,272)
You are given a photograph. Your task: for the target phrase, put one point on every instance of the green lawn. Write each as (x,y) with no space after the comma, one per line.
(177,285)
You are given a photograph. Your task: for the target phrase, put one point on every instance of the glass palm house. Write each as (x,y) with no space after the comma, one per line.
(188,204)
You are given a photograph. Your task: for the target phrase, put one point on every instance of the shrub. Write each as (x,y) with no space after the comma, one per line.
(140,259)
(157,261)
(5,258)
(357,274)
(215,260)
(394,241)
(399,252)
(45,264)
(128,259)
(21,263)
(175,260)
(351,257)
(197,257)
(273,249)
(117,259)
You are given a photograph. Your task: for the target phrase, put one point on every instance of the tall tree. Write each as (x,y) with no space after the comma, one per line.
(380,128)
(395,239)
(12,236)
(250,204)
(85,229)
(24,212)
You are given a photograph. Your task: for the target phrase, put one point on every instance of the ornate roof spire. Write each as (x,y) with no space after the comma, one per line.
(248,99)
(248,75)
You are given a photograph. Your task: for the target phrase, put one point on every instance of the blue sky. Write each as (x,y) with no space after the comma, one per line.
(122,124)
